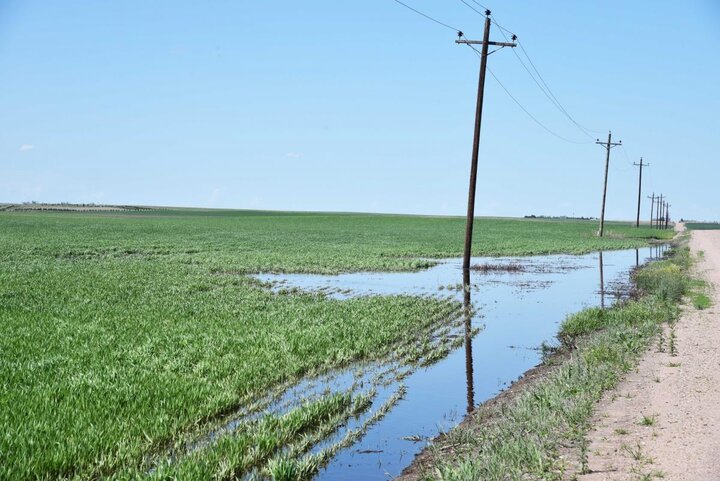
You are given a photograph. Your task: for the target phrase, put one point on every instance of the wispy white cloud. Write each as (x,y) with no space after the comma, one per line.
(215,195)
(293,155)
(26,147)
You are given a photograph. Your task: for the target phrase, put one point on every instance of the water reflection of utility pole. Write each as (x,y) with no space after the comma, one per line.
(467,313)
(637,257)
(602,282)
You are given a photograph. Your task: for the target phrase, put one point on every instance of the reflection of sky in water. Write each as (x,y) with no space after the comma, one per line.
(518,310)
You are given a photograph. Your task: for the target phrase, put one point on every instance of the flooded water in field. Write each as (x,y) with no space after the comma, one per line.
(514,305)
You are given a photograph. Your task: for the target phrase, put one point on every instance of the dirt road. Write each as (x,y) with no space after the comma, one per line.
(663,420)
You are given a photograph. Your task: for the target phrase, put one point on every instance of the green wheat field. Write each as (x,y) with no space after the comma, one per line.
(122,335)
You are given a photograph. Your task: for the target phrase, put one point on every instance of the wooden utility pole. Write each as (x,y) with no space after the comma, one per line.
(485,43)
(659,211)
(667,216)
(652,208)
(637,221)
(609,145)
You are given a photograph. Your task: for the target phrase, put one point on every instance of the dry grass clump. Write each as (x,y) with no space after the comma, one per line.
(487,267)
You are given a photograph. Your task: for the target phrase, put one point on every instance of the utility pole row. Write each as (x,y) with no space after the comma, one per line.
(660,215)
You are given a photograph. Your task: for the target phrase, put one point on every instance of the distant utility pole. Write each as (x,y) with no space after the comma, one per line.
(652,208)
(608,145)
(664,214)
(667,216)
(659,211)
(637,222)
(485,42)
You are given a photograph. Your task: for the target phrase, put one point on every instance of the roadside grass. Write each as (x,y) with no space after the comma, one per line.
(698,291)
(122,332)
(581,324)
(648,421)
(527,433)
(701,301)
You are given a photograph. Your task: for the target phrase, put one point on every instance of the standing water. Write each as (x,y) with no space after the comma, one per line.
(513,305)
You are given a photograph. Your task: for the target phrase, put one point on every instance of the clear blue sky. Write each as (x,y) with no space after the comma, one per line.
(355,106)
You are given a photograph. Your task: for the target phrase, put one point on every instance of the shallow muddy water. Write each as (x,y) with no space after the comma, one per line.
(513,313)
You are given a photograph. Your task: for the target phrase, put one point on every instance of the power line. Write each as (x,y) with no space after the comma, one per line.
(494,20)
(548,93)
(584,129)
(650,183)
(622,166)
(531,115)
(491,72)
(544,88)
(627,157)
(479,4)
(473,8)
(427,16)
(523,108)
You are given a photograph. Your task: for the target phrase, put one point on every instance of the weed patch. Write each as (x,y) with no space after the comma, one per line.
(701,301)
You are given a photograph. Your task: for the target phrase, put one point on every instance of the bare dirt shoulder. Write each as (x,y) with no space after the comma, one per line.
(663,419)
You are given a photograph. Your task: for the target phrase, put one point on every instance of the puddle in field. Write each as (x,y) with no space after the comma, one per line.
(509,313)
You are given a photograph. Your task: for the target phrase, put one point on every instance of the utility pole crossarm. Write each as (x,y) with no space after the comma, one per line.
(481,42)
(608,145)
